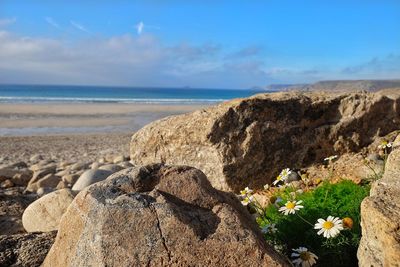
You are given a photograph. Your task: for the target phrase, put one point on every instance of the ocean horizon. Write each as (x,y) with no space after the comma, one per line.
(117,94)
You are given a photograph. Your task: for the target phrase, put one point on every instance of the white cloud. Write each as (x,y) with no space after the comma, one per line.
(52,22)
(120,60)
(139,27)
(144,60)
(79,26)
(7,21)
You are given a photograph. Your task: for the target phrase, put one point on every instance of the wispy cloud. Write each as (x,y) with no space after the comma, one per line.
(7,21)
(79,27)
(386,65)
(249,51)
(52,22)
(141,26)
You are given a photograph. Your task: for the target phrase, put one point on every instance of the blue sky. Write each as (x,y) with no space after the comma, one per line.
(210,44)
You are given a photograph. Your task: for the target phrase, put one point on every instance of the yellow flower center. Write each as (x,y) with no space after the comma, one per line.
(328,225)
(290,205)
(305,255)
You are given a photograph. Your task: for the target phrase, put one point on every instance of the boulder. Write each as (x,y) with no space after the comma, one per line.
(44,214)
(90,177)
(158,216)
(380,217)
(247,142)
(25,249)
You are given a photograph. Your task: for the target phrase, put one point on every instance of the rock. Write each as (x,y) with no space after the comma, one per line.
(49,180)
(36,158)
(6,184)
(79,166)
(25,249)
(62,184)
(70,178)
(143,217)
(62,173)
(12,206)
(95,165)
(247,142)
(44,214)
(126,164)
(7,173)
(22,178)
(293,176)
(51,167)
(109,158)
(18,165)
(380,217)
(111,167)
(38,174)
(44,191)
(119,158)
(64,164)
(90,177)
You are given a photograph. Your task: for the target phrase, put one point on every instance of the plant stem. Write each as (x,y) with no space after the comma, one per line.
(304,219)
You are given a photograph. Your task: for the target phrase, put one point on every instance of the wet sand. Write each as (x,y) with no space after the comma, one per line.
(45,119)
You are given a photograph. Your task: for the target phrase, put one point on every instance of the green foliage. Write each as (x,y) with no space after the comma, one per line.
(340,200)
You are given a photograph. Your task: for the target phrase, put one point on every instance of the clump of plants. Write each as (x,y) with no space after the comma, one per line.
(317,226)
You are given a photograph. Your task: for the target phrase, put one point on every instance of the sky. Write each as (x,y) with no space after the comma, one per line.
(201,44)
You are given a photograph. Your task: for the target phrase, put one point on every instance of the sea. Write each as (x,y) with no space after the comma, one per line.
(101,94)
(13,123)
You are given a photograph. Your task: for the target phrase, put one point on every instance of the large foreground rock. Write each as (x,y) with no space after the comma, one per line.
(25,250)
(380,218)
(248,141)
(44,214)
(158,216)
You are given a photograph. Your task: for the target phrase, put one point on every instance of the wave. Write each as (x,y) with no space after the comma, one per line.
(29,99)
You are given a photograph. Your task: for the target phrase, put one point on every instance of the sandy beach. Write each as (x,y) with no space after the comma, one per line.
(50,119)
(77,132)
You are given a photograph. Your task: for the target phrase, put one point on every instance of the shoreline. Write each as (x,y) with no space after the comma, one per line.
(38,119)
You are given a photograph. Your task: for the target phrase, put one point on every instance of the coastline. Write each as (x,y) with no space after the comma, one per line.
(38,119)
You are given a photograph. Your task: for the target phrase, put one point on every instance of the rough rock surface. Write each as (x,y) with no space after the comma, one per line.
(44,214)
(380,217)
(12,205)
(236,143)
(25,249)
(158,216)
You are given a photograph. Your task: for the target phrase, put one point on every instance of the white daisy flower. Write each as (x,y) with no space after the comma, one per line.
(269,228)
(247,200)
(291,207)
(331,158)
(304,258)
(283,176)
(245,192)
(330,227)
